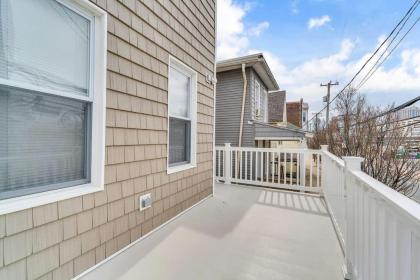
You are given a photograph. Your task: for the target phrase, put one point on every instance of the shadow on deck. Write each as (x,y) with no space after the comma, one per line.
(240,233)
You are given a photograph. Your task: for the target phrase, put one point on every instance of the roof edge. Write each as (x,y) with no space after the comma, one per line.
(253,60)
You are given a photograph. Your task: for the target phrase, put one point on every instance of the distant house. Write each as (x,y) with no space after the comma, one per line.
(297,113)
(277,107)
(245,94)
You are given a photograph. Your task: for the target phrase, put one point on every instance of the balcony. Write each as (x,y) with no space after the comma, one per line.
(313,216)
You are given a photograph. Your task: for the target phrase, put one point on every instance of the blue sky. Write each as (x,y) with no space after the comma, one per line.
(313,41)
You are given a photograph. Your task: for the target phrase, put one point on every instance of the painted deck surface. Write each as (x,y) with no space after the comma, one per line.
(240,233)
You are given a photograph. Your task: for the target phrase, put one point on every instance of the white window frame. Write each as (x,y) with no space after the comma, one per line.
(265,104)
(183,68)
(257,95)
(97,98)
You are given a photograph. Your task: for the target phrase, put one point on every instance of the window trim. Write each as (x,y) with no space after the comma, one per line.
(96,97)
(265,104)
(183,68)
(257,112)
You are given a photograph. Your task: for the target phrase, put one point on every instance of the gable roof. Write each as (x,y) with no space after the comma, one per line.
(257,62)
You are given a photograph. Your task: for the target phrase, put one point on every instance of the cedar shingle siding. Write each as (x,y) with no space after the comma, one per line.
(62,239)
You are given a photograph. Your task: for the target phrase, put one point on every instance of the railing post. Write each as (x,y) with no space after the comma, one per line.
(324,148)
(227,164)
(350,164)
(302,161)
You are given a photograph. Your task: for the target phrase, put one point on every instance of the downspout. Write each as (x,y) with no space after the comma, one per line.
(241,125)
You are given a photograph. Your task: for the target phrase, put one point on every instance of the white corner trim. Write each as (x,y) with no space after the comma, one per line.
(84,273)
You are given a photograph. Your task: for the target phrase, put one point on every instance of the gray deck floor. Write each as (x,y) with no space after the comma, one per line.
(240,233)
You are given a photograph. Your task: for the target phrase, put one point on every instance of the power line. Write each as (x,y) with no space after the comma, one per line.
(370,58)
(388,46)
(392,110)
(392,50)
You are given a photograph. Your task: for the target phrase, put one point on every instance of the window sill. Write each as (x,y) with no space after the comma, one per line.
(15,204)
(178,168)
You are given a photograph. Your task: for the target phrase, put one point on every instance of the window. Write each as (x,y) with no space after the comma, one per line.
(257,99)
(52,100)
(182,99)
(264,104)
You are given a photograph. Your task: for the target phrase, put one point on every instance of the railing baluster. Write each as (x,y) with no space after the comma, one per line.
(290,167)
(284,168)
(318,167)
(272,167)
(246,165)
(251,166)
(240,165)
(278,167)
(218,161)
(262,166)
(310,170)
(297,168)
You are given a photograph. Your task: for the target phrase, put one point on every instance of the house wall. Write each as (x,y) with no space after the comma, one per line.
(229,92)
(294,113)
(62,239)
(276,106)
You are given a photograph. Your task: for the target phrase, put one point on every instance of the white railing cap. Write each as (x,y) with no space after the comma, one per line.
(353,163)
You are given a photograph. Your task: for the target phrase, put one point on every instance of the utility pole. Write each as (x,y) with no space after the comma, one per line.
(316,121)
(327,99)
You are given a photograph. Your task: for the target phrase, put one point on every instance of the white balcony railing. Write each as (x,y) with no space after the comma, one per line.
(378,228)
(293,169)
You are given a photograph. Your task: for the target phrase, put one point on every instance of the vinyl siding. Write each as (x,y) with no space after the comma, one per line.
(229,92)
(62,239)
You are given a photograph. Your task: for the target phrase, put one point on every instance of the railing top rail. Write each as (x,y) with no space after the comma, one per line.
(287,150)
(334,158)
(398,201)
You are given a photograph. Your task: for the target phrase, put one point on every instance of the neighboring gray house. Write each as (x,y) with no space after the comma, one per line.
(242,94)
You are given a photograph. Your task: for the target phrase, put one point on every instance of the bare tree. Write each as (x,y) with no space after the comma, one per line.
(357,131)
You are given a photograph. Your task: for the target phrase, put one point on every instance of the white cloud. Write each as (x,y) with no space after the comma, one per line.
(256,30)
(303,80)
(232,35)
(318,22)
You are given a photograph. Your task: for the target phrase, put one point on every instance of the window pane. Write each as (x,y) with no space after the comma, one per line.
(44,43)
(179,141)
(179,89)
(42,142)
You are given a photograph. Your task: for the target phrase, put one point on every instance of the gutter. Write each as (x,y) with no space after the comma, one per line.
(241,125)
